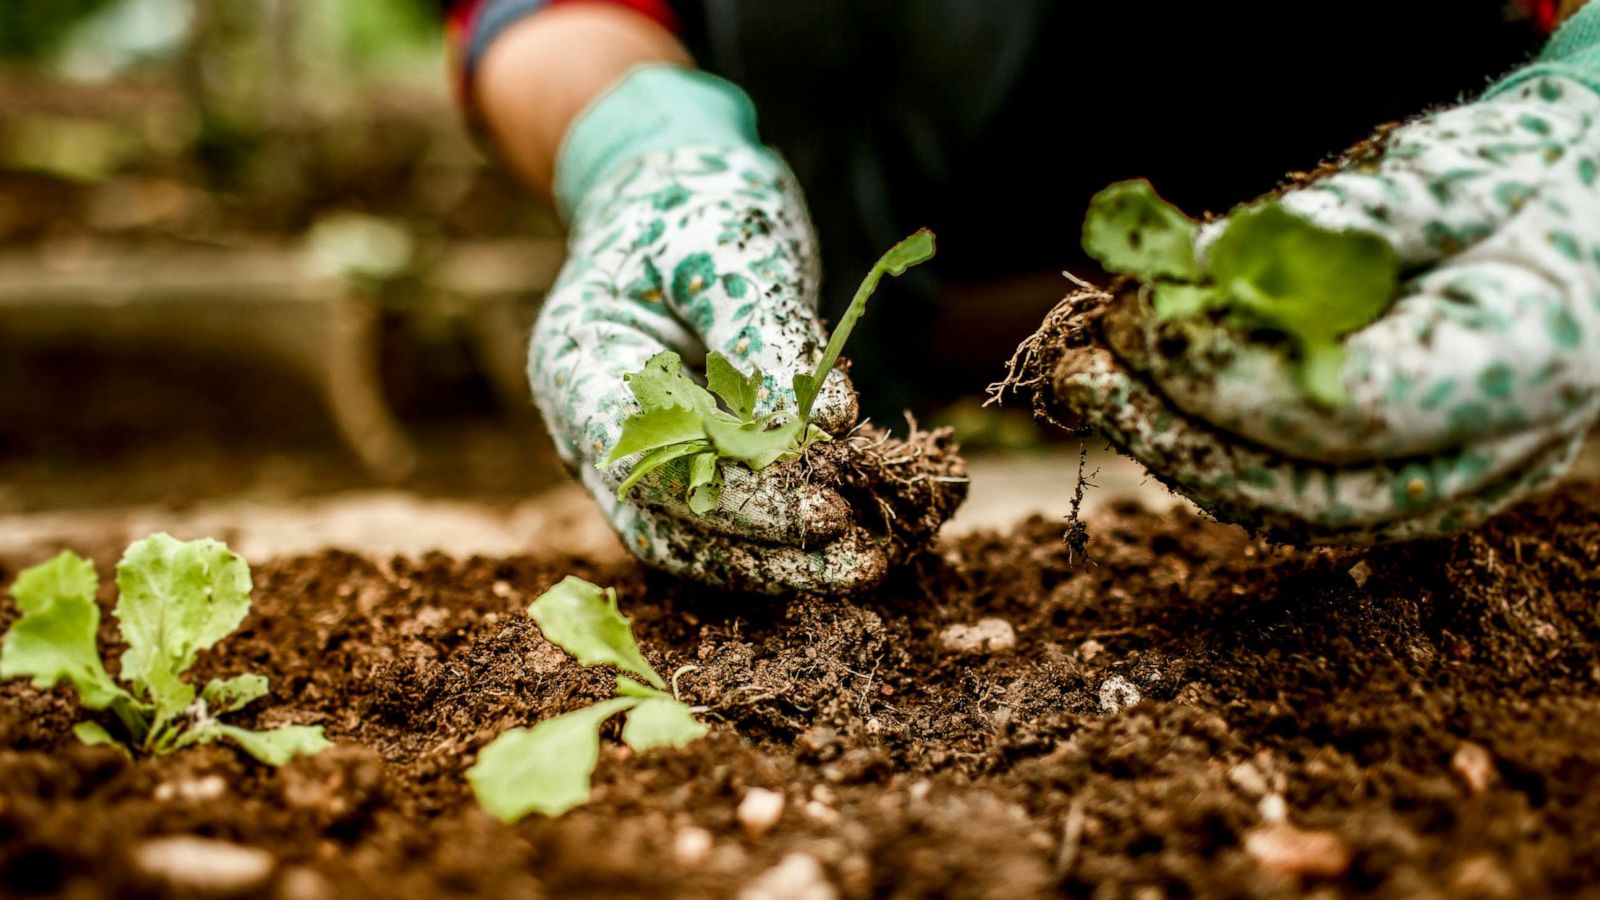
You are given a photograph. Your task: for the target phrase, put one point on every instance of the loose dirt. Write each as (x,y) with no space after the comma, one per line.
(1185,712)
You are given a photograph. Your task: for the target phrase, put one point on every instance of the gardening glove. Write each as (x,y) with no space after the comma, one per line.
(1475,388)
(686,234)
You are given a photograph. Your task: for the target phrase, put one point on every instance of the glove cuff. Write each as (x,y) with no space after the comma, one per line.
(653,108)
(1573,53)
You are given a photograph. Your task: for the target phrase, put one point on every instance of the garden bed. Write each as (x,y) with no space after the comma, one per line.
(1185,711)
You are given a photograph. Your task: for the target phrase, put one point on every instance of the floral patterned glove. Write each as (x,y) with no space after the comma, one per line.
(1476,387)
(688,235)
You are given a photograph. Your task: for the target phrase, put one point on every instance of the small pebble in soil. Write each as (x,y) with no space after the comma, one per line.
(855,875)
(820,743)
(301,883)
(1483,876)
(1274,809)
(987,635)
(797,876)
(1247,778)
(203,865)
(1360,572)
(821,813)
(1288,850)
(1117,694)
(691,846)
(759,811)
(1089,649)
(194,790)
(1474,765)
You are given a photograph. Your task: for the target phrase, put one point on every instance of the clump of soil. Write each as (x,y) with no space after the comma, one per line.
(1068,332)
(1193,713)
(905,488)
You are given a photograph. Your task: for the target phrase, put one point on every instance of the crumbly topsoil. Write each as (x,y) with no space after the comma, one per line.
(1186,713)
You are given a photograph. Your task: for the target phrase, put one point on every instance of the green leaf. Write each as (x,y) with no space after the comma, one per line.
(1313,284)
(177,598)
(664,382)
(756,444)
(92,733)
(67,576)
(737,390)
(661,722)
(1308,281)
(1130,229)
(705,483)
(544,769)
(275,747)
(806,387)
(55,639)
(656,427)
(1175,301)
(1322,372)
(226,695)
(913,250)
(659,457)
(582,619)
(627,687)
(916,249)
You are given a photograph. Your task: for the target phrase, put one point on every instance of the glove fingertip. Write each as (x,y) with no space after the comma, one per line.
(837,408)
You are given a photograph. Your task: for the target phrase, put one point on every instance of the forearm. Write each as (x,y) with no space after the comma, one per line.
(543,71)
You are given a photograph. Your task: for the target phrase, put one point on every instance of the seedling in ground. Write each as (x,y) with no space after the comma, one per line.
(1269,269)
(176,599)
(547,768)
(679,419)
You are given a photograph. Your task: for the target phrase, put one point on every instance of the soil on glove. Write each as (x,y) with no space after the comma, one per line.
(1187,712)
(903,489)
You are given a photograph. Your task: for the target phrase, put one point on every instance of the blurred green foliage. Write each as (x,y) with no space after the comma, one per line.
(373,27)
(33,28)
(383,32)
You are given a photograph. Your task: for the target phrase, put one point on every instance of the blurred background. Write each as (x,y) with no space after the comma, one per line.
(257,282)
(248,246)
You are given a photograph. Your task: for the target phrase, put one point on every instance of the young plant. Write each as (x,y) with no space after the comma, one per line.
(547,768)
(1268,269)
(679,419)
(176,598)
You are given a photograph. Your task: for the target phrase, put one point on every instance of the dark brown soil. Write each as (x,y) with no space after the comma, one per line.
(1420,720)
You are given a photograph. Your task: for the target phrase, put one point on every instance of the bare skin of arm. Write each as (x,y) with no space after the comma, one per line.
(546,69)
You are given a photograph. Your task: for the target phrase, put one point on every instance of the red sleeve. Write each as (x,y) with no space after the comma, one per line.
(467,40)
(1547,14)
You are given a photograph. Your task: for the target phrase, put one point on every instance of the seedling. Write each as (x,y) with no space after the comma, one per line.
(679,419)
(1268,269)
(176,598)
(547,768)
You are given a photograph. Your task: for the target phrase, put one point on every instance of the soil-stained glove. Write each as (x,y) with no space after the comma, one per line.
(1476,387)
(688,235)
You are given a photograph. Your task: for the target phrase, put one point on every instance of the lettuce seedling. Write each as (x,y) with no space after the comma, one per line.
(679,419)
(1268,269)
(547,768)
(176,598)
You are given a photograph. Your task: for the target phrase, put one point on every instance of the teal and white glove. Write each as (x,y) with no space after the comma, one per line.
(688,235)
(1475,388)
